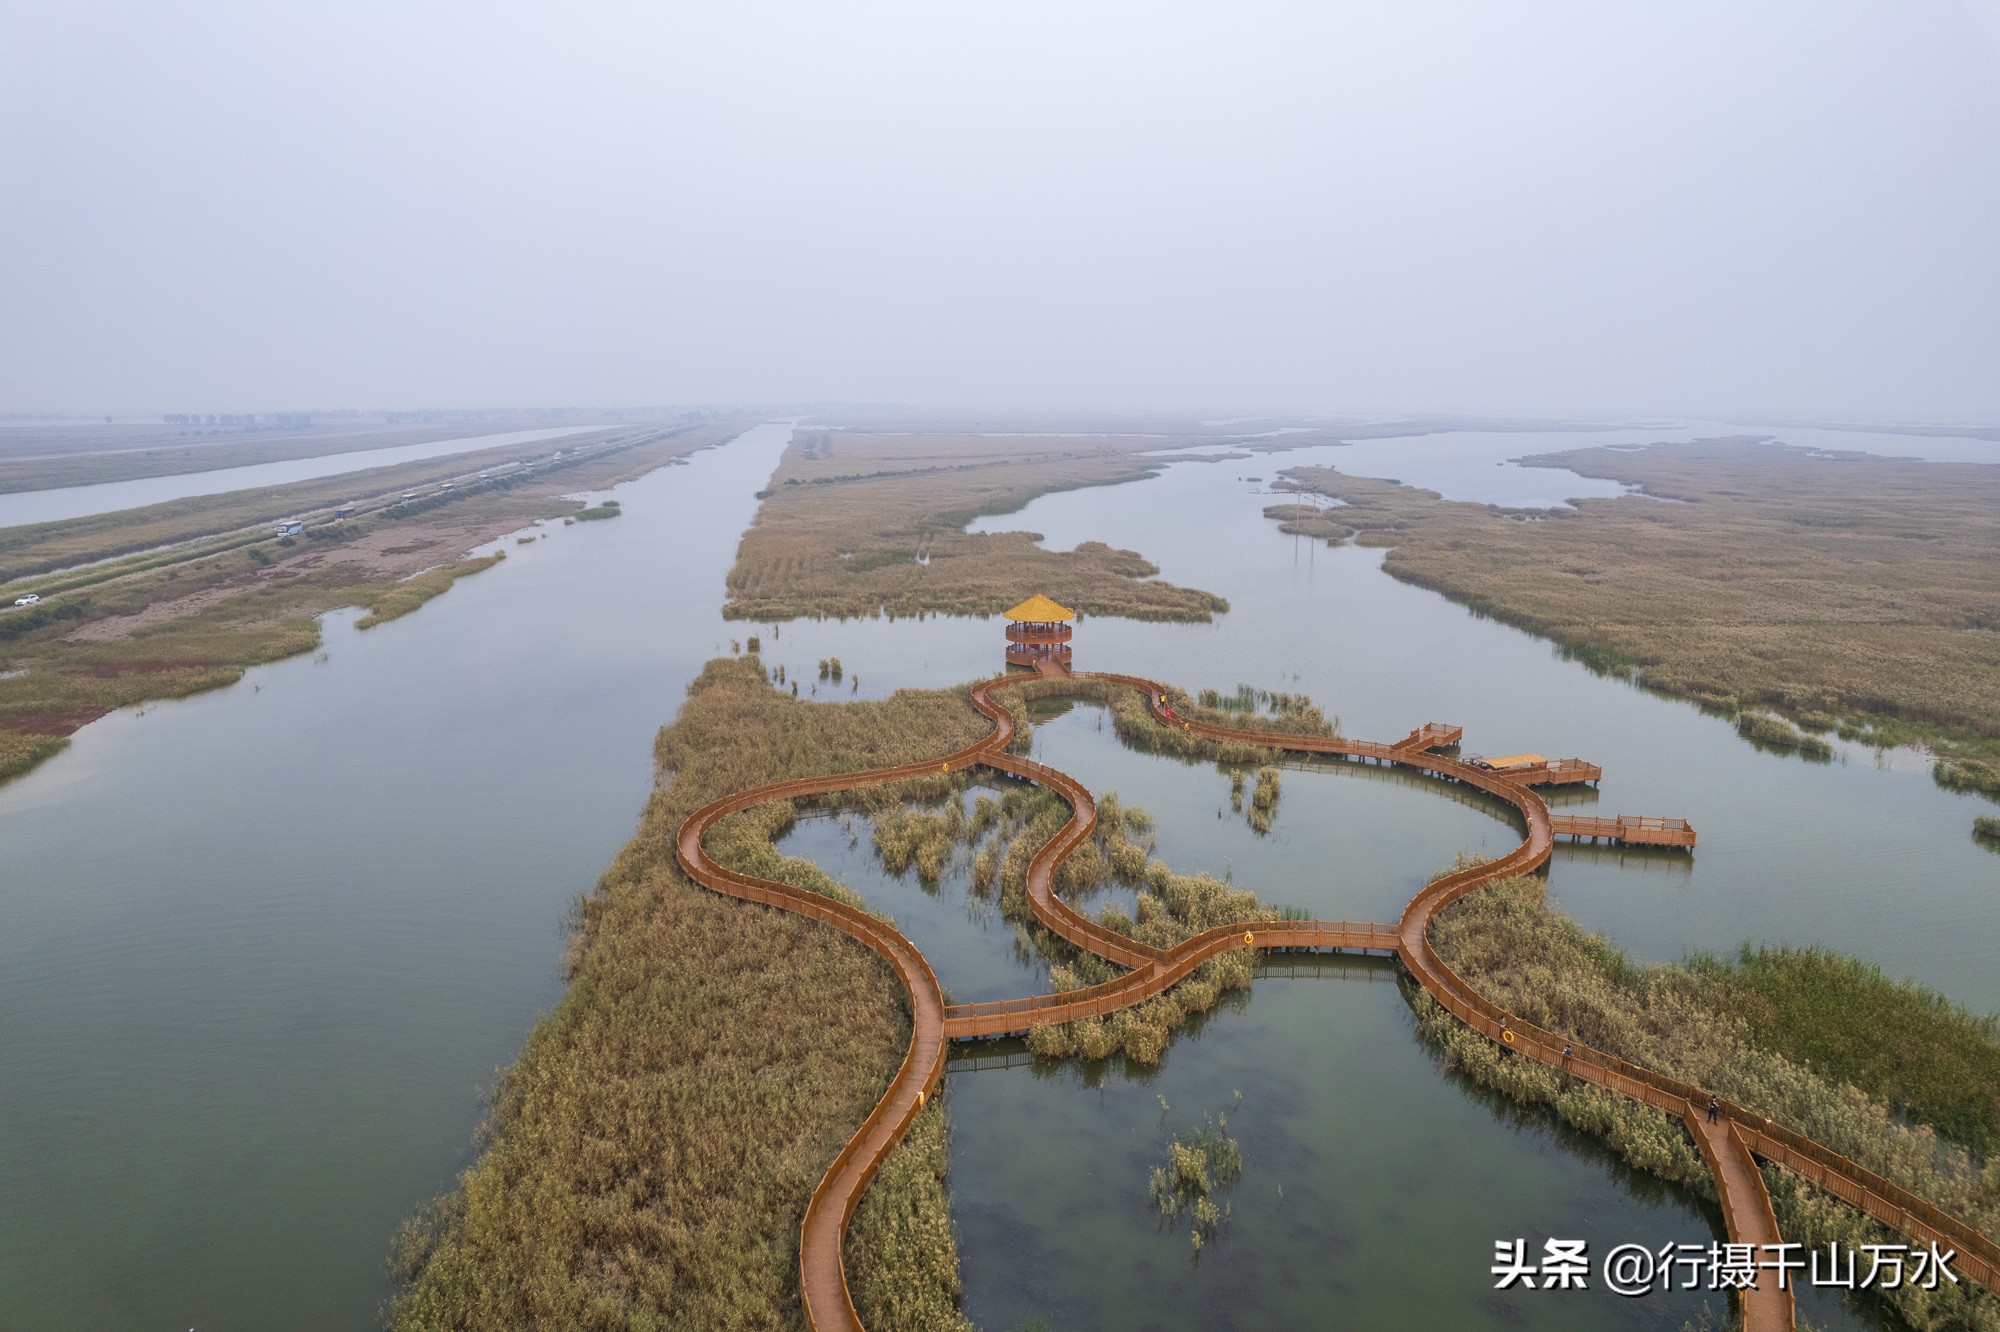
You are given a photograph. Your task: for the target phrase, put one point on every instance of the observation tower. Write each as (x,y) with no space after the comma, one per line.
(1039,633)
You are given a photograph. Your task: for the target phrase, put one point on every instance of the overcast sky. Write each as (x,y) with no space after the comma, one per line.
(1399,205)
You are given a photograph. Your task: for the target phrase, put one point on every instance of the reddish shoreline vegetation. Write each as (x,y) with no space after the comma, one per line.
(1799,592)
(215,591)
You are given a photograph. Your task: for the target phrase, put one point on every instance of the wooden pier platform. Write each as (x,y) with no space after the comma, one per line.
(1534,770)
(1632,830)
(1431,735)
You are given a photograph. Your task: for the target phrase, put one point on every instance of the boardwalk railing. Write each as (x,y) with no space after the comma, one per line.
(822,1274)
(1637,830)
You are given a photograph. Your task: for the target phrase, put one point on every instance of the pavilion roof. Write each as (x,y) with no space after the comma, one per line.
(1038,609)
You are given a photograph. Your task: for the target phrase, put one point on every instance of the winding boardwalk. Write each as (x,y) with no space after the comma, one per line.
(1731,1147)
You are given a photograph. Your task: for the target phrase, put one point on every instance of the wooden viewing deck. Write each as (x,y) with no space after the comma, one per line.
(1731,1147)
(1431,735)
(1534,770)
(1630,829)
(1561,772)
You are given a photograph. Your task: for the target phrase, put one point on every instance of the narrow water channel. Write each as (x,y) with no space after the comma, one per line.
(57,503)
(260,951)
(263,950)
(1865,855)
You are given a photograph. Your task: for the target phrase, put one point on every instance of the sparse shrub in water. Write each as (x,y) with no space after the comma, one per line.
(1987,828)
(1263,800)
(922,838)
(1197,1165)
(1777,733)
(1967,774)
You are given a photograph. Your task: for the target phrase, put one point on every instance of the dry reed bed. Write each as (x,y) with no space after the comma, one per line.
(608,1065)
(999,838)
(649,1155)
(410,594)
(1851,590)
(1710,1026)
(859,525)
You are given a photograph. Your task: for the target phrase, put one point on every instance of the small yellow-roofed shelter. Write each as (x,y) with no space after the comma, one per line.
(1038,609)
(1039,634)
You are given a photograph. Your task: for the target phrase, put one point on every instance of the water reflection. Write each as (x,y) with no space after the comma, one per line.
(263,949)
(1372,1191)
(1375,1180)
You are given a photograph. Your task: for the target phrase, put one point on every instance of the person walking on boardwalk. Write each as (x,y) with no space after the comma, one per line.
(1568,1050)
(1713,1106)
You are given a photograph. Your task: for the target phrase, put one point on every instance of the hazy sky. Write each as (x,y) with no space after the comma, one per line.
(1745,206)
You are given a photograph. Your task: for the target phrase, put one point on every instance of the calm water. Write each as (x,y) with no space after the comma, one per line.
(262,951)
(1374,1182)
(1476,465)
(1482,465)
(48,506)
(1865,854)
(1887,443)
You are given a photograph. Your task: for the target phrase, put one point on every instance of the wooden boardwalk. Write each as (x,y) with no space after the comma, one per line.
(1747,1205)
(1731,1148)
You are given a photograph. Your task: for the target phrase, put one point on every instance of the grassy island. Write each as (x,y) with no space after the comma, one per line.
(1844,592)
(650,1154)
(858,524)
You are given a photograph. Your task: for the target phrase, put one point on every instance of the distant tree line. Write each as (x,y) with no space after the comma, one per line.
(247,420)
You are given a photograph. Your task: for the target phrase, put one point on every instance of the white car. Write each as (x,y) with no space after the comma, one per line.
(28,600)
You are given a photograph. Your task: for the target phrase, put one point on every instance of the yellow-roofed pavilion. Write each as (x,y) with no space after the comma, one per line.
(1038,609)
(1038,638)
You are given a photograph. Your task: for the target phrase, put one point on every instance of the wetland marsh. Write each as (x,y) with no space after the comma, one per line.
(430,799)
